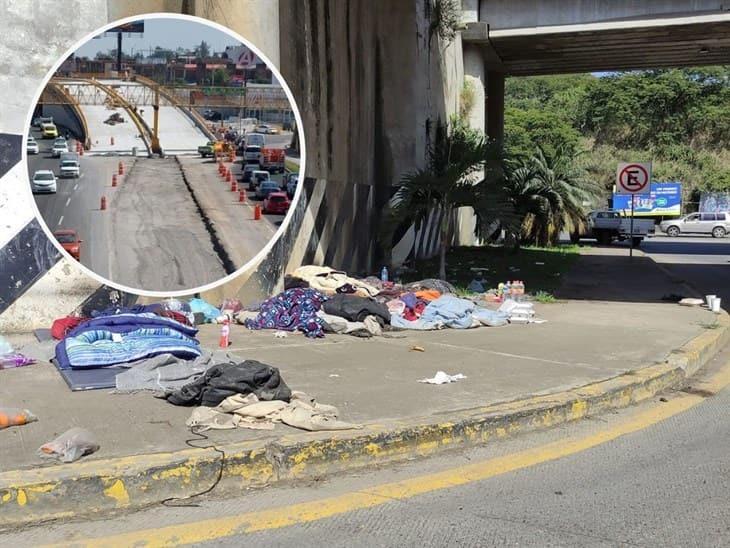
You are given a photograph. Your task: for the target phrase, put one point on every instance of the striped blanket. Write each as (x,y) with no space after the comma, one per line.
(101,345)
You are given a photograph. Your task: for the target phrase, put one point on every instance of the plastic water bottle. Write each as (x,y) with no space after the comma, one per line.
(225,341)
(507,291)
(384,274)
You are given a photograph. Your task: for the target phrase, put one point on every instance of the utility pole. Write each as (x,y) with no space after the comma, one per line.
(119,52)
(155,145)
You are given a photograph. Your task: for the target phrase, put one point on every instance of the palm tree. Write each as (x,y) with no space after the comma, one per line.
(446,183)
(548,193)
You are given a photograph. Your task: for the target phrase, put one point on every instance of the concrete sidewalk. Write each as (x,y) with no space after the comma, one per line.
(370,380)
(588,358)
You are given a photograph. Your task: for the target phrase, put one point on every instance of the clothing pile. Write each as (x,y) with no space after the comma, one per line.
(248,411)
(329,281)
(292,310)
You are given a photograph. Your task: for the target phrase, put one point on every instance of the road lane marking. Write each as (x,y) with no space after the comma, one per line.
(218,528)
(60,221)
(68,201)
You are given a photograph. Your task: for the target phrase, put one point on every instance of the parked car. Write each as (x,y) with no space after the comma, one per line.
(259,177)
(291,184)
(717,224)
(31,146)
(607,225)
(49,131)
(265,188)
(277,202)
(60,146)
(44,181)
(248,170)
(70,242)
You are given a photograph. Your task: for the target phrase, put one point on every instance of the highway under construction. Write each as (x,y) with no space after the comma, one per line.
(151,213)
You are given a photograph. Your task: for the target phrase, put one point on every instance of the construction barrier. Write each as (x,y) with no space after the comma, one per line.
(114,179)
(102,206)
(242,196)
(257,213)
(121,168)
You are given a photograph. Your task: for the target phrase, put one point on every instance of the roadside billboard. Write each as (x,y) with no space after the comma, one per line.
(714,202)
(663,199)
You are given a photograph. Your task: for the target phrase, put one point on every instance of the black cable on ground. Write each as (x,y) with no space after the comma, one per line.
(194,430)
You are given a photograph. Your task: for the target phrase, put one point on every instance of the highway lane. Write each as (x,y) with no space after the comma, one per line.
(76,204)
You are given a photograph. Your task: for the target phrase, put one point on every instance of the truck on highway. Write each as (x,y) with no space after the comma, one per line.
(272,159)
(70,165)
(607,225)
(207,149)
(256,140)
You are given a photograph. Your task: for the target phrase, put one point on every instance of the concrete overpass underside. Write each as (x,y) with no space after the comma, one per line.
(609,46)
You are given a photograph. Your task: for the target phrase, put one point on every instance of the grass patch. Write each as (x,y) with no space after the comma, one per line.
(545,297)
(291,166)
(541,269)
(710,325)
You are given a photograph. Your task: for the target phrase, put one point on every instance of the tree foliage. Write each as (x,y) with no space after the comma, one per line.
(680,119)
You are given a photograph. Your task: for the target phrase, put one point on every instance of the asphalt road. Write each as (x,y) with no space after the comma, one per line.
(704,262)
(76,204)
(657,474)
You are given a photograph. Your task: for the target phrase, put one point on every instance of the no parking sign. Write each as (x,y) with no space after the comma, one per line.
(633,178)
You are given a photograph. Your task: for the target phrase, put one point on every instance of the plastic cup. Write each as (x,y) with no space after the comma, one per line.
(716,304)
(709,299)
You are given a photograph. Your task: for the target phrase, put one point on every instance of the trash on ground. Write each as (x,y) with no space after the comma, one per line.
(442,377)
(13,416)
(416,348)
(70,446)
(689,301)
(281,334)
(477,286)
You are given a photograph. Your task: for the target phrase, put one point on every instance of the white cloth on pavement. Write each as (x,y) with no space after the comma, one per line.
(442,377)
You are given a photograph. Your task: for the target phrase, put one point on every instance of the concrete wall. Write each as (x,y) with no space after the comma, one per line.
(506,14)
(35,284)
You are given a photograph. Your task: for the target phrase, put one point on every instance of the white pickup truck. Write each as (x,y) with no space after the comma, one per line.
(607,225)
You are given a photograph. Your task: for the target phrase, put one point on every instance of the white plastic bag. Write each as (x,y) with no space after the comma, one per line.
(70,446)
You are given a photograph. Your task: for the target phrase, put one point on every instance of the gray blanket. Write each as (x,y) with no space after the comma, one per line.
(165,372)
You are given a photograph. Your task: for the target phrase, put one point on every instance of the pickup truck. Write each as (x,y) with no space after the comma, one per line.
(607,225)
(207,149)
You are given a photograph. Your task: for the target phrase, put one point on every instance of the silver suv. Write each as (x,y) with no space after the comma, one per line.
(717,224)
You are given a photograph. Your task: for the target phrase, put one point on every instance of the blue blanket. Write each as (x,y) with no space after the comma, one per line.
(122,338)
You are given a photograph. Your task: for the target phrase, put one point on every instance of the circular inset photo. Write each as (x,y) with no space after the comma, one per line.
(164,154)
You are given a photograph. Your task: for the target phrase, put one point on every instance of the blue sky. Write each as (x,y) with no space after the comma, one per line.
(166,33)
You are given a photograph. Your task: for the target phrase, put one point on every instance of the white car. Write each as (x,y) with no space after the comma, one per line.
(31,146)
(44,181)
(60,146)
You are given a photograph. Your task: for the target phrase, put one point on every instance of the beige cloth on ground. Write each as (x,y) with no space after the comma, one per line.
(326,280)
(240,411)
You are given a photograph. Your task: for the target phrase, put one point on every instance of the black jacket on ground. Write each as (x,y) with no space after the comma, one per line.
(227,379)
(356,309)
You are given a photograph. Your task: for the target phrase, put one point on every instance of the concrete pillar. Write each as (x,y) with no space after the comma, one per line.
(474,74)
(495,105)
(470,11)
(255,20)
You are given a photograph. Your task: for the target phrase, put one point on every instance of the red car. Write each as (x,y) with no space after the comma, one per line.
(70,241)
(277,202)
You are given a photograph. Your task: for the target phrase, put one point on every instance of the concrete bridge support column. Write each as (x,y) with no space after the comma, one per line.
(495,106)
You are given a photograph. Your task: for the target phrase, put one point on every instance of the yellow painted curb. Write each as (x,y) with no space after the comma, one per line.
(109,485)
